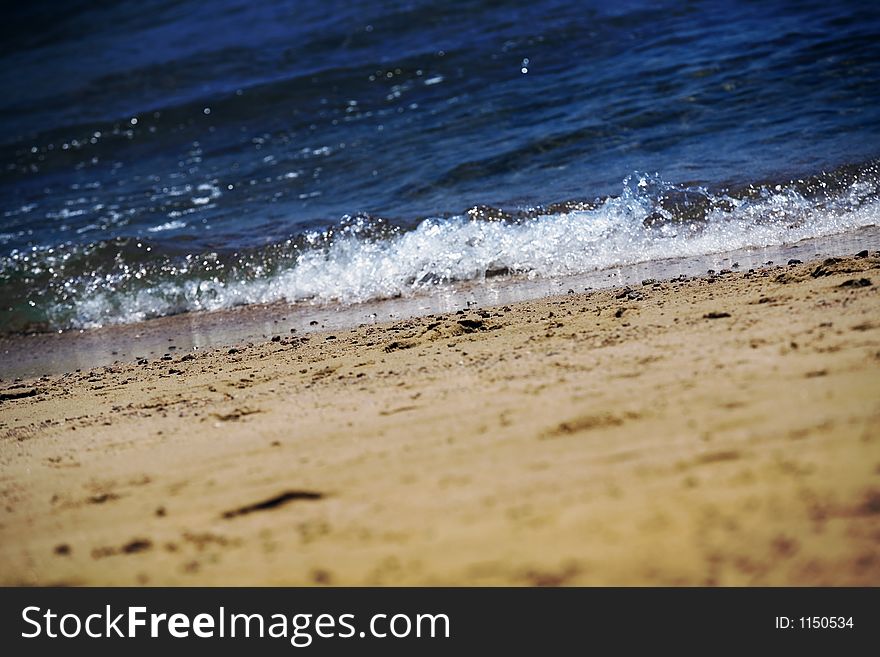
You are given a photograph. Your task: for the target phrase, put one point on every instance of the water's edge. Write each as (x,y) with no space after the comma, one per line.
(46,354)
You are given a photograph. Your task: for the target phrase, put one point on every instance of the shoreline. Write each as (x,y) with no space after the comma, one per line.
(720,430)
(53,353)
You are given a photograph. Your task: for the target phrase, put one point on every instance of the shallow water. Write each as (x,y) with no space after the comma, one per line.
(163,157)
(44,354)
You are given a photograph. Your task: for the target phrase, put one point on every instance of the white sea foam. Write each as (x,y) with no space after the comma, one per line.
(168,225)
(353,268)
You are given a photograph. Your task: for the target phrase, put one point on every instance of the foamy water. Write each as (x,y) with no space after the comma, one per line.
(359,261)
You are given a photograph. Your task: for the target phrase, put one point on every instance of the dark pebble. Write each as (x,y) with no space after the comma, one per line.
(716,315)
(137,545)
(857,282)
(794,261)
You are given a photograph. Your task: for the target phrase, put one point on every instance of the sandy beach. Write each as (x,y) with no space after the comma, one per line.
(721,430)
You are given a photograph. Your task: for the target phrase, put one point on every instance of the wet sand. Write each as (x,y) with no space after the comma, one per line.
(722,430)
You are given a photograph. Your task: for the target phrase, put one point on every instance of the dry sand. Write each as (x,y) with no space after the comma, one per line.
(717,431)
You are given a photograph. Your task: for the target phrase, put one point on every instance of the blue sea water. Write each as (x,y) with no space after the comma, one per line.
(164,156)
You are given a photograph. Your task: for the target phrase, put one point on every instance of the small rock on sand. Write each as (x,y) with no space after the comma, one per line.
(857,282)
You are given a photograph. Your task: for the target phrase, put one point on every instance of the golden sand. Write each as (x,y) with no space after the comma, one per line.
(717,431)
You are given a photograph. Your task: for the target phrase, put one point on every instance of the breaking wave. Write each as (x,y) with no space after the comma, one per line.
(364,258)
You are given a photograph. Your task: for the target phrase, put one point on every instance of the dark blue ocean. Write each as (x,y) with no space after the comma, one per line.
(165,156)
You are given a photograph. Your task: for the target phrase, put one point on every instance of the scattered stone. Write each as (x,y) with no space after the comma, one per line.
(795,261)
(471,325)
(714,315)
(137,545)
(649,281)
(856,282)
(862,254)
(232,351)
(63,549)
(276,338)
(18,394)
(823,269)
